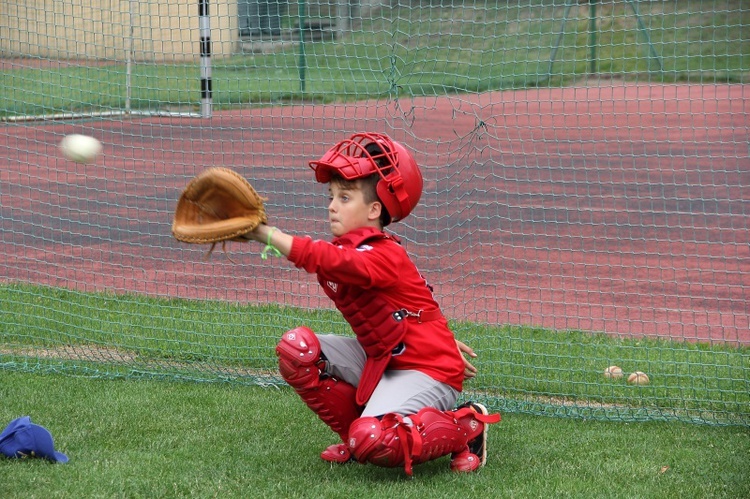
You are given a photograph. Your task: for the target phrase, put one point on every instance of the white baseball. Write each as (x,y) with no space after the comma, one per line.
(80,148)
(614,372)
(638,378)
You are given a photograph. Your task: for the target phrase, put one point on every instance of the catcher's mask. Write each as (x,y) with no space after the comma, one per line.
(364,154)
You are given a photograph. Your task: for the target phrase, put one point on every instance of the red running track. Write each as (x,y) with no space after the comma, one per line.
(621,209)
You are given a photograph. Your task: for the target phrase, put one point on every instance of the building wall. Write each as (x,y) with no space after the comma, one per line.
(157,30)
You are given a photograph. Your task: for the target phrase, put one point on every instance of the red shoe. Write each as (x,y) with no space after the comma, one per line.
(465,462)
(475,454)
(337,453)
(478,446)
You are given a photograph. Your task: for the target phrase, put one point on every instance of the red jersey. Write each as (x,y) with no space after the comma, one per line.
(381,267)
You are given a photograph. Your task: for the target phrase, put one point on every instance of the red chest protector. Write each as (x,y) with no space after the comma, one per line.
(379,325)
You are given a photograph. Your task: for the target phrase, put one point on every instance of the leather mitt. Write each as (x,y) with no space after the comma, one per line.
(216,206)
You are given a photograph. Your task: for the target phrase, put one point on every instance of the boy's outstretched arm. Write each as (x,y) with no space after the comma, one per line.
(272,236)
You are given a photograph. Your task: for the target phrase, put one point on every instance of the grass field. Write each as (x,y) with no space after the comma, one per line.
(153,438)
(522,369)
(426,50)
(178,398)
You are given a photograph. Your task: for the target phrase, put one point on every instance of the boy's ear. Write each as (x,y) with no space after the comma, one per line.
(376,207)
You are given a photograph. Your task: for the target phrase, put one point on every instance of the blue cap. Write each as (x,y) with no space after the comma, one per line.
(24,439)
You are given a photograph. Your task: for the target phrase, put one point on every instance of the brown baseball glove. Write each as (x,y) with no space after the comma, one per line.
(218,205)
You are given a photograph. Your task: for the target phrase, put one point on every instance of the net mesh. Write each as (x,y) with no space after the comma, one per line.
(586,187)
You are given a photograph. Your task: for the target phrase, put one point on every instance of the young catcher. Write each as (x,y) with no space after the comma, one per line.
(389,393)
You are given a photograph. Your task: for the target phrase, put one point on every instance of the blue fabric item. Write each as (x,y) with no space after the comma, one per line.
(24,439)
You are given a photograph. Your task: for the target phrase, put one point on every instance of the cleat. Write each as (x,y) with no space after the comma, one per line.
(337,454)
(474,456)
(478,445)
(465,462)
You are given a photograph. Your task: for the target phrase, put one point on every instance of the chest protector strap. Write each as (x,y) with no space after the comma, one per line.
(379,329)
(379,326)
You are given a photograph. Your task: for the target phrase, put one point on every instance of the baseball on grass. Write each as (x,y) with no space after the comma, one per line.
(80,148)
(638,378)
(613,372)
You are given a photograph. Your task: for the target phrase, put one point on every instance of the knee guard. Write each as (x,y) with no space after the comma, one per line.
(300,362)
(383,442)
(402,441)
(301,365)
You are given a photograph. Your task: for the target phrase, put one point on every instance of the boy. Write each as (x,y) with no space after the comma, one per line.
(389,392)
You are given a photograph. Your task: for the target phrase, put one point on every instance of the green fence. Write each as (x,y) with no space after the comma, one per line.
(586,192)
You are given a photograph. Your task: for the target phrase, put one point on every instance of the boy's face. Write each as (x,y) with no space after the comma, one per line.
(348,210)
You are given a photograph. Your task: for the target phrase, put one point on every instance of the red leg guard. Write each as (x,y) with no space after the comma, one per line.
(427,435)
(376,441)
(300,365)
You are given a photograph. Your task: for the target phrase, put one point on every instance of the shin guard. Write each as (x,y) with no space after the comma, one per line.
(301,365)
(395,440)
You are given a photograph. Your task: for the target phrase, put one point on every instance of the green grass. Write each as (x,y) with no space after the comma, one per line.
(420,49)
(173,439)
(523,369)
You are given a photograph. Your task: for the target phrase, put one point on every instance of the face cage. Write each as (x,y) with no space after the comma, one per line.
(351,159)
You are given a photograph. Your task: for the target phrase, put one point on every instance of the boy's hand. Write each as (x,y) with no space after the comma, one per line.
(469,370)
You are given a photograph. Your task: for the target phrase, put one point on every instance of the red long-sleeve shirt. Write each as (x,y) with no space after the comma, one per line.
(381,266)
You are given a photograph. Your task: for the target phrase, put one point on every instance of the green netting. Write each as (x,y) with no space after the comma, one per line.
(586,187)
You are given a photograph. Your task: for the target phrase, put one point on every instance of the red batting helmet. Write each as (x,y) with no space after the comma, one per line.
(364,154)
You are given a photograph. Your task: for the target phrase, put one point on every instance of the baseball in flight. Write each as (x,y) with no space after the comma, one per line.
(80,148)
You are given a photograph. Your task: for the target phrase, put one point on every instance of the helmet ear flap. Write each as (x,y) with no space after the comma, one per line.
(404,184)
